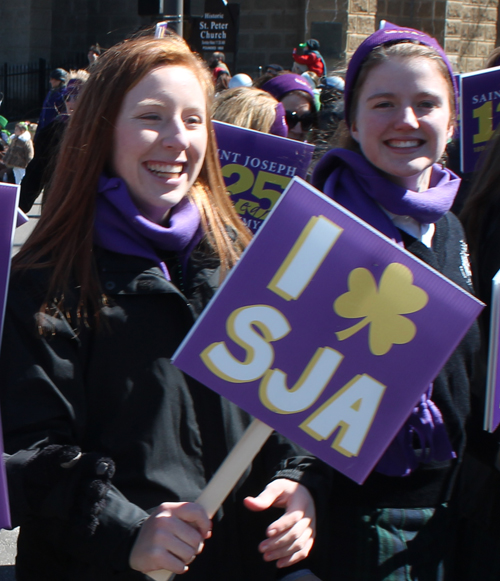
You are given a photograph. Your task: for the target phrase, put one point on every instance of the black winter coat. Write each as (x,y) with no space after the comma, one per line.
(114,393)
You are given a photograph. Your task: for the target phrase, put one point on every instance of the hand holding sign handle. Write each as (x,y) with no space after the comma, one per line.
(228,475)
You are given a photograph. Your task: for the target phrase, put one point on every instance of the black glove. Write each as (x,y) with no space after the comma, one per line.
(63,482)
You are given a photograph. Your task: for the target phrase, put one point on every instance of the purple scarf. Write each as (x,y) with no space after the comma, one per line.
(352,181)
(120,227)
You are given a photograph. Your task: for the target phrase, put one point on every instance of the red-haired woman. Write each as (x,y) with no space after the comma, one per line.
(108,444)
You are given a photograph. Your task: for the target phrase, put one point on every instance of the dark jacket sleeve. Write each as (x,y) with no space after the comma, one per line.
(40,168)
(43,414)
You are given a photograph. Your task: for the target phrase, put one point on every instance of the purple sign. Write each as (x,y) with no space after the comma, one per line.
(479,113)
(8,217)
(492,400)
(257,167)
(327,331)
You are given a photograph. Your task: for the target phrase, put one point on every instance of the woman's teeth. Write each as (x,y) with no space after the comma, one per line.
(409,143)
(165,169)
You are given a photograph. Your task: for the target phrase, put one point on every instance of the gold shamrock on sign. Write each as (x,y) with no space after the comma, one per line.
(381,308)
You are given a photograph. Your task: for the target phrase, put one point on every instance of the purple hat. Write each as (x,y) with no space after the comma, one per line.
(73,88)
(389,34)
(279,127)
(282,84)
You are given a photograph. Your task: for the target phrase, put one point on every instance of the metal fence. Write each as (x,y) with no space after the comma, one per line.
(24,87)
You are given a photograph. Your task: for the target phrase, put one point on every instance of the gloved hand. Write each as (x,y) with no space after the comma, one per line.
(62,482)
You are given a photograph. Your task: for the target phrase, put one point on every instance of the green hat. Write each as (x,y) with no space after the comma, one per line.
(3,122)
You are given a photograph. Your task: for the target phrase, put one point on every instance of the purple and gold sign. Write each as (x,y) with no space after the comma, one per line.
(479,113)
(257,167)
(8,215)
(327,331)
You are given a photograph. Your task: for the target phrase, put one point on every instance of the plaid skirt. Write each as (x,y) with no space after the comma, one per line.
(386,544)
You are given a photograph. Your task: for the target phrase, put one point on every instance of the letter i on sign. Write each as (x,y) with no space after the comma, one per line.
(305,257)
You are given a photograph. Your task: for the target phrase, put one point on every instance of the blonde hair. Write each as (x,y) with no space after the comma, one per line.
(78,74)
(246,107)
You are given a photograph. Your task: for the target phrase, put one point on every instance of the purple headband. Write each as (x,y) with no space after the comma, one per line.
(389,34)
(279,127)
(73,88)
(280,85)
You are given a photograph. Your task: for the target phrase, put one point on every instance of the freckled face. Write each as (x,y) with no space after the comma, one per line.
(403,119)
(160,139)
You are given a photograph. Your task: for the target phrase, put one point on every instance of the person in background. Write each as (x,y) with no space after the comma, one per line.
(274,69)
(478,548)
(240,80)
(47,141)
(251,108)
(332,103)
(108,444)
(298,99)
(400,111)
(4,133)
(314,81)
(217,64)
(95,51)
(454,153)
(53,104)
(76,82)
(222,81)
(330,115)
(32,127)
(6,174)
(311,58)
(20,151)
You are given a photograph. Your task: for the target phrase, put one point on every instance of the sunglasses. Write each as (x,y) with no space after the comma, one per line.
(307,120)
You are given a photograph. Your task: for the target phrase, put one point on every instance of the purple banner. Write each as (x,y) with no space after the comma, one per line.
(327,331)
(8,217)
(257,167)
(492,411)
(492,400)
(479,113)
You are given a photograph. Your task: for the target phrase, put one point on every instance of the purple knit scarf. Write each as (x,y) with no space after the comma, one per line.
(352,181)
(120,227)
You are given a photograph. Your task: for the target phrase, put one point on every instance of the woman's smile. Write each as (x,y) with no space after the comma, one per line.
(403,119)
(160,139)
(165,170)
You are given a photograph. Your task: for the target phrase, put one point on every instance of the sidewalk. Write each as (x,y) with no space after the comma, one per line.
(7,554)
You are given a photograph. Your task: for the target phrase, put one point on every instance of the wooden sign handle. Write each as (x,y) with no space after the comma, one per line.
(228,474)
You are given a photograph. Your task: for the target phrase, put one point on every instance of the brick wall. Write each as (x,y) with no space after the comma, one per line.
(329,11)
(269,30)
(426,15)
(470,32)
(361,22)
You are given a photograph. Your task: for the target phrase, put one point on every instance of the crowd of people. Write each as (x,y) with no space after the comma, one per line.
(108,445)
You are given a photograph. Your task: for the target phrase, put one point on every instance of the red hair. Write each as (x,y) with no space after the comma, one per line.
(63,238)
